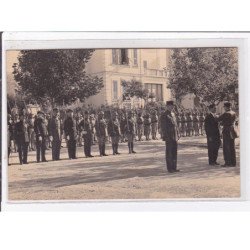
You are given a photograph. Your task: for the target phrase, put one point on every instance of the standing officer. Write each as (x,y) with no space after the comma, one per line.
(213,135)
(55,134)
(130,132)
(22,139)
(41,134)
(154,122)
(229,134)
(114,132)
(101,133)
(139,126)
(170,135)
(196,124)
(147,126)
(70,132)
(85,127)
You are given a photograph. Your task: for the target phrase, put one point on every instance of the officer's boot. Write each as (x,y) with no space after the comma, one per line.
(113,148)
(103,150)
(132,148)
(129,148)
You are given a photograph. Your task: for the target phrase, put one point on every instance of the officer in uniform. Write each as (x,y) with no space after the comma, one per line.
(183,124)
(70,133)
(154,122)
(201,122)
(130,132)
(122,127)
(55,134)
(196,123)
(41,134)
(85,127)
(139,126)
(213,135)
(114,132)
(229,134)
(147,126)
(101,133)
(170,135)
(22,139)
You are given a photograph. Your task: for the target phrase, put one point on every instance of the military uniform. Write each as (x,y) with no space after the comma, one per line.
(22,139)
(139,122)
(101,133)
(130,133)
(183,125)
(115,133)
(70,132)
(227,120)
(213,137)
(154,125)
(147,126)
(201,123)
(189,125)
(170,135)
(41,134)
(85,127)
(196,124)
(55,133)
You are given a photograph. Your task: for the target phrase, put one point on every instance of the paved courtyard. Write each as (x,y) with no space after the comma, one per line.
(138,176)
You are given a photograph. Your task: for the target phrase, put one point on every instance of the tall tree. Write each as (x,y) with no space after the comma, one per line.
(56,75)
(210,73)
(134,88)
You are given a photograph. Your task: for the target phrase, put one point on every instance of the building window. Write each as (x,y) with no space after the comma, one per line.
(135,57)
(145,64)
(114,56)
(124,56)
(155,90)
(115,90)
(120,56)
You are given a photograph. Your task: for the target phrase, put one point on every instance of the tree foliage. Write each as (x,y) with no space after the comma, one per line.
(210,73)
(134,88)
(56,75)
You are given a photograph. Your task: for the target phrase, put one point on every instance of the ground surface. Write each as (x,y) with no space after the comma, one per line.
(138,176)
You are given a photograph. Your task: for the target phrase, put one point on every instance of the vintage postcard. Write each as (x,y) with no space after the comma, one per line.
(126,122)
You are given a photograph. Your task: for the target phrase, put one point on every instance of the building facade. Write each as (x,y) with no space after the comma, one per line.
(115,65)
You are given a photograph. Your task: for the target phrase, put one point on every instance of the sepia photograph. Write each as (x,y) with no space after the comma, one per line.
(123,124)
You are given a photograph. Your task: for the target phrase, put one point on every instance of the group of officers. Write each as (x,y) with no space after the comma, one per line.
(120,127)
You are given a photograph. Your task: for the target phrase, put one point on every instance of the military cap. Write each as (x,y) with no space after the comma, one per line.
(40,112)
(170,102)
(211,106)
(115,114)
(227,104)
(101,113)
(69,110)
(55,109)
(86,112)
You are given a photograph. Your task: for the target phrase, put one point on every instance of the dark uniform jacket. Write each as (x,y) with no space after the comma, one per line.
(40,128)
(70,128)
(169,127)
(212,127)
(86,126)
(130,127)
(227,121)
(114,128)
(21,132)
(55,128)
(101,127)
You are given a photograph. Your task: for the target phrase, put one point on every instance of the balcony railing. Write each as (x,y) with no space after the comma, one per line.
(154,72)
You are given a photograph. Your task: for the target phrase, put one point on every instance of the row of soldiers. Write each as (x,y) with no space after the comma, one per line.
(57,129)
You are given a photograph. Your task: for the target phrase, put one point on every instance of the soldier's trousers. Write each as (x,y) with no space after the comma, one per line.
(87,145)
(72,149)
(213,148)
(115,143)
(171,155)
(147,131)
(154,130)
(56,147)
(140,131)
(40,150)
(101,143)
(229,150)
(23,151)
